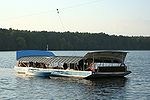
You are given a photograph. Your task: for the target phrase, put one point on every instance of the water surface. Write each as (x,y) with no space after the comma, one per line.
(19,87)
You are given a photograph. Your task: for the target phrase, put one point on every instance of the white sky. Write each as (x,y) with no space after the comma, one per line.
(119,17)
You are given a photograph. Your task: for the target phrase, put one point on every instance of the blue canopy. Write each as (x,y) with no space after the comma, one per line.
(27,53)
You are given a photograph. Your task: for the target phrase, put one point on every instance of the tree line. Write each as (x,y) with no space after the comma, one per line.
(11,39)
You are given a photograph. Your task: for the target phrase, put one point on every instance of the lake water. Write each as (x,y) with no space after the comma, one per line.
(135,86)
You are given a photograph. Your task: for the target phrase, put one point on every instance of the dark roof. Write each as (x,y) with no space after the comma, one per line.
(106,56)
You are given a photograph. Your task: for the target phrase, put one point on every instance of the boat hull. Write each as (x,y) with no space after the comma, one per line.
(30,71)
(67,73)
(70,73)
(52,72)
(108,74)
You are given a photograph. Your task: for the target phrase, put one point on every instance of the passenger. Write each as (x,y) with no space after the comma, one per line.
(40,65)
(65,66)
(44,66)
(19,64)
(79,67)
(23,64)
(91,67)
(36,64)
(30,64)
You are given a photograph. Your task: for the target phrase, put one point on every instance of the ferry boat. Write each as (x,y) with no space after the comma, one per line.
(94,64)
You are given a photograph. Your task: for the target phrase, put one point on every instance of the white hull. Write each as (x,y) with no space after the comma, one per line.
(32,71)
(70,73)
(52,72)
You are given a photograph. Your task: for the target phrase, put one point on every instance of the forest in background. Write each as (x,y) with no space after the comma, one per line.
(11,39)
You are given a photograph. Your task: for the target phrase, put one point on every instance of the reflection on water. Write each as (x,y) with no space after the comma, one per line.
(69,88)
(108,88)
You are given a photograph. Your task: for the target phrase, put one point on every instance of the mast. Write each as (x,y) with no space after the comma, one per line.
(47,47)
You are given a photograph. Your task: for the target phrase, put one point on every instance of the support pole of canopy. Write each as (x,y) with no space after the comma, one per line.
(93,61)
(93,58)
(83,64)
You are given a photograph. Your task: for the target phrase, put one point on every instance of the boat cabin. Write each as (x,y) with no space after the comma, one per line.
(105,61)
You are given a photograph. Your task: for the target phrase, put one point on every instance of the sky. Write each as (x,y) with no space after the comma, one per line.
(114,17)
